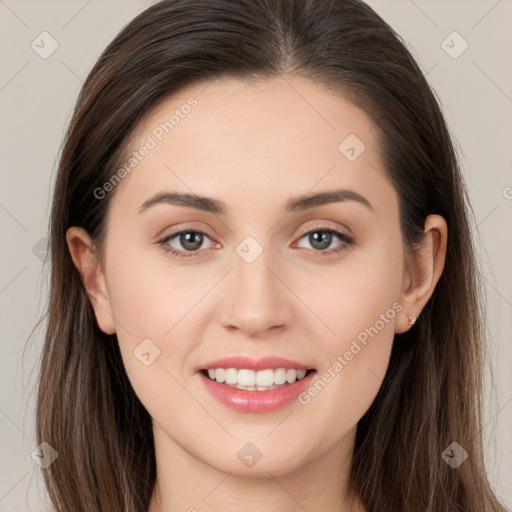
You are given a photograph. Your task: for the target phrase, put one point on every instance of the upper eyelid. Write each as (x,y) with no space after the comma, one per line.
(324,227)
(303,231)
(187,230)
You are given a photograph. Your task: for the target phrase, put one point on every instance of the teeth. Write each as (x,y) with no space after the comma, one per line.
(280,376)
(264,377)
(255,380)
(220,375)
(248,378)
(255,388)
(291,376)
(231,376)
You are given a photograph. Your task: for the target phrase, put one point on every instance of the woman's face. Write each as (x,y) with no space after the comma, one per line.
(267,279)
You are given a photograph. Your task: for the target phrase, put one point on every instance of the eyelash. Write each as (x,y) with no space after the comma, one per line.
(347,241)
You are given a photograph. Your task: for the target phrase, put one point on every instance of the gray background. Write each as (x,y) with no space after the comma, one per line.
(36,98)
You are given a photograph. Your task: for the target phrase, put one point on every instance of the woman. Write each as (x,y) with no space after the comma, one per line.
(264,292)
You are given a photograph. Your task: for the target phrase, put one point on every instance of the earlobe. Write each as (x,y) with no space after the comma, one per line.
(88,265)
(427,264)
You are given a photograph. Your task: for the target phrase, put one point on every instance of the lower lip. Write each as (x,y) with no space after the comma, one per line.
(256,401)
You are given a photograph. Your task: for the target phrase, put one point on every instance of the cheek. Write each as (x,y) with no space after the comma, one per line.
(359,304)
(354,294)
(157,327)
(155,308)
(149,295)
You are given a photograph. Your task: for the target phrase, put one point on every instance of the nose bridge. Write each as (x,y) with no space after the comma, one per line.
(256,300)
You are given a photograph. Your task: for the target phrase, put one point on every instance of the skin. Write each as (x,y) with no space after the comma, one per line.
(255,145)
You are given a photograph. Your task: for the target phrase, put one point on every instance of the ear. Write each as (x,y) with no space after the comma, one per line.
(425,269)
(88,264)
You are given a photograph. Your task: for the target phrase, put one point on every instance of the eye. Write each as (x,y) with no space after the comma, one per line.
(320,239)
(190,240)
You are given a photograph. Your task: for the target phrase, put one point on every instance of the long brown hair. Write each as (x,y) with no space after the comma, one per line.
(431,395)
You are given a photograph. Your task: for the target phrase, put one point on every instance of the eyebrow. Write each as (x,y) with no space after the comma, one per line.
(216,206)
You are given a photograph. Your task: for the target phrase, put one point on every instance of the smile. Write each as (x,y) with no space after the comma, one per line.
(255,386)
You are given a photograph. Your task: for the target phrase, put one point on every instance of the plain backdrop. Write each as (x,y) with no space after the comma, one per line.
(470,70)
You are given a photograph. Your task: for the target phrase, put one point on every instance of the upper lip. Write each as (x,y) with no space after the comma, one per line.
(268,362)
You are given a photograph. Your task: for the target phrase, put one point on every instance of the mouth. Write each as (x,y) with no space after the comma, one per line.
(256,391)
(251,380)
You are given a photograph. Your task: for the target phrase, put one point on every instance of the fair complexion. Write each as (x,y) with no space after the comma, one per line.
(255,147)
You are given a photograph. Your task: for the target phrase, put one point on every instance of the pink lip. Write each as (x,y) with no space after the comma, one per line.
(256,401)
(264,363)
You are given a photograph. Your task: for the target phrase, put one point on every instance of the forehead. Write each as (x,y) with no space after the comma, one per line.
(252,140)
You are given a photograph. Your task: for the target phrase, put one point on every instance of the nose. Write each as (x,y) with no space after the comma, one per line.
(256,300)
